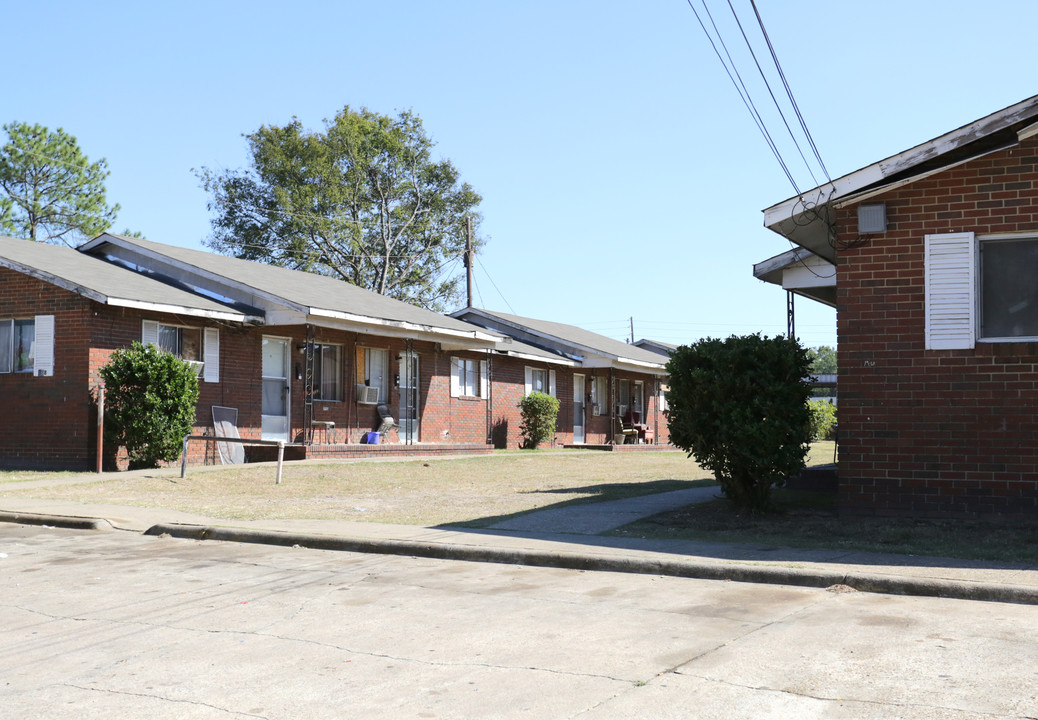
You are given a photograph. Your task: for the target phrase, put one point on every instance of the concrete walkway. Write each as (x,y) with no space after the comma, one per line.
(601,517)
(570,537)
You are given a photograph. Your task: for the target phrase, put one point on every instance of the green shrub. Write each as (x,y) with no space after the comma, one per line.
(150,399)
(740,407)
(540,413)
(823,419)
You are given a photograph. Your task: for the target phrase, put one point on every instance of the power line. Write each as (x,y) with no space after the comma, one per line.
(789,91)
(767,84)
(745,95)
(495,286)
(740,88)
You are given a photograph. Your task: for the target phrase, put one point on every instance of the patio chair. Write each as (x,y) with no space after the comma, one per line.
(388,423)
(626,433)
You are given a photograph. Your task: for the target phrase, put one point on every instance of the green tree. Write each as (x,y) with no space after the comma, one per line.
(51,192)
(740,407)
(823,360)
(150,399)
(540,413)
(362,201)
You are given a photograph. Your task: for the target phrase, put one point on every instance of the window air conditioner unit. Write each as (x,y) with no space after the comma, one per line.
(196,365)
(367,395)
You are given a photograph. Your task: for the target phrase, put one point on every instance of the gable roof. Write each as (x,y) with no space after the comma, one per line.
(106,283)
(289,296)
(656,346)
(588,348)
(804,219)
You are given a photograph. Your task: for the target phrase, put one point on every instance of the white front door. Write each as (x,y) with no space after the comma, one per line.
(578,409)
(409,410)
(276,389)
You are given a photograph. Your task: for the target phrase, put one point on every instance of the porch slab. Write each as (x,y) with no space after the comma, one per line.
(633,447)
(341,451)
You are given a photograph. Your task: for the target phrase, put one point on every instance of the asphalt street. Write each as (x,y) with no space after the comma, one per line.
(118,624)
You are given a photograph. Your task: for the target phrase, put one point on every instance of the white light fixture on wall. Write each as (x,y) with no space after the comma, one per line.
(872,219)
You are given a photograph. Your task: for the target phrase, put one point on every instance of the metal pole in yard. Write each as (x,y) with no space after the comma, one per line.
(281,457)
(183,458)
(100,426)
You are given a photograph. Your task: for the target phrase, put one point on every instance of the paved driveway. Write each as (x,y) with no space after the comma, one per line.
(113,624)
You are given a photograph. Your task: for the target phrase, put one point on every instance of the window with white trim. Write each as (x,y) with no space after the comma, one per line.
(540,380)
(468,377)
(327,372)
(623,396)
(373,372)
(27,345)
(599,395)
(1008,291)
(980,288)
(199,346)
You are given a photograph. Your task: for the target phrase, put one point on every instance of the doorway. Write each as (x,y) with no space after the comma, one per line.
(276,389)
(409,411)
(578,409)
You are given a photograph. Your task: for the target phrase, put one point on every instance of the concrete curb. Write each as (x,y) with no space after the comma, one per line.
(737,572)
(70,522)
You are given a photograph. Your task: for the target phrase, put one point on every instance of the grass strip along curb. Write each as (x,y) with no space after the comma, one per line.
(864,582)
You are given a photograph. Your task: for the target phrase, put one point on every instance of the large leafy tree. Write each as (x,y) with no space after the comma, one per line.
(363,201)
(51,192)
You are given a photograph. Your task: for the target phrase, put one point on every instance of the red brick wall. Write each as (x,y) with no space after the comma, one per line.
(509,386)
(51,422)
(46,422)
(925,432)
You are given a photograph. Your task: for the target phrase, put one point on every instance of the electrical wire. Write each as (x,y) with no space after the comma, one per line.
(789,91)
(739,88)
(505,300)
(767,84)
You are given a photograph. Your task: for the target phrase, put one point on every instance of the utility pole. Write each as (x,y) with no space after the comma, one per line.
(632,330)
(468,258)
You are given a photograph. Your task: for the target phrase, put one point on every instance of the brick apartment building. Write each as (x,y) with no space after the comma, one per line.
(600,382)
(931,260)
(301,358)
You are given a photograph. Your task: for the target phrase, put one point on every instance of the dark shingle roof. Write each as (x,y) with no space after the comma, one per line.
(316,294)
(568,335)
(103,282)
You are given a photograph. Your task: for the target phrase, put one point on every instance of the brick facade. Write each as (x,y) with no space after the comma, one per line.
(51,422)
(941,433)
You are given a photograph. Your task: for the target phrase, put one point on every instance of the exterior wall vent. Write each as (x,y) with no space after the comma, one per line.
(872,219)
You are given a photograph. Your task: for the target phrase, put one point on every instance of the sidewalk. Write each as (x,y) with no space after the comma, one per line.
(570,537)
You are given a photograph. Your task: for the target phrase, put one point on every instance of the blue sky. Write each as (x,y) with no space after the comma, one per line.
(622,176)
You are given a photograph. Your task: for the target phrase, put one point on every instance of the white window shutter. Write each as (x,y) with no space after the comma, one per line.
(529,381)
(484,381)
(455,377)
(551,383)
(43,363)
(950,267)
(211,355)
(149,333)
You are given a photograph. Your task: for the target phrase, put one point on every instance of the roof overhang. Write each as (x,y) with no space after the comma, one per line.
(228,315)
(801,272)
(586,356)
(805,219)
(474,340)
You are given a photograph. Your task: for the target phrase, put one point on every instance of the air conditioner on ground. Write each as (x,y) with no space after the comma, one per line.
(367,395)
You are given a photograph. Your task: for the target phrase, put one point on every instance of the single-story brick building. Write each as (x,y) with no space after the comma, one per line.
(601,383)
(931,259)
(303,359)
